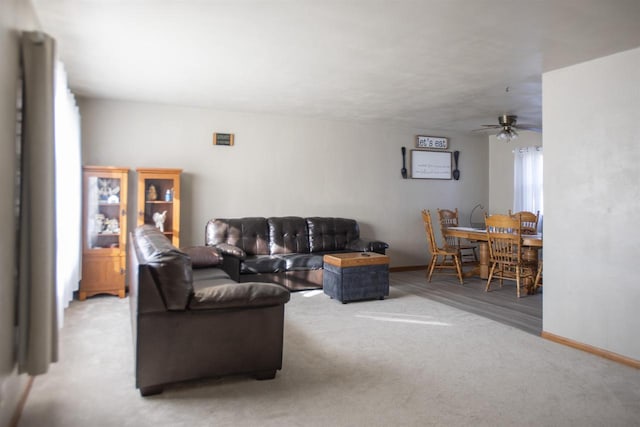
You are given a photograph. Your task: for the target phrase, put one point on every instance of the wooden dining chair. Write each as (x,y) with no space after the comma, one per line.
(504,235)
(442,258)
(449,218)
(529,221)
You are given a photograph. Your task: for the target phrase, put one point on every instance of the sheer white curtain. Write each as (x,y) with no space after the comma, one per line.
(68,190)
(527,194)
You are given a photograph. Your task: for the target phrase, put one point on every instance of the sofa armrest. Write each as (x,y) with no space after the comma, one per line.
(378,246)
(203,256)
(365,245)
(227,249)
(231,266)
(238,295)
(232,256)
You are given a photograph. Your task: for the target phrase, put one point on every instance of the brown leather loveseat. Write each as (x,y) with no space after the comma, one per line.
(190,320)
(285,250)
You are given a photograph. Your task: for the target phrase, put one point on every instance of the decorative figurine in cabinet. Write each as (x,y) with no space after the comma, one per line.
(159,200)
(104,231)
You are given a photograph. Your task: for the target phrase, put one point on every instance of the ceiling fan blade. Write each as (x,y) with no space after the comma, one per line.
(529,127)
(508,122)
(487,128)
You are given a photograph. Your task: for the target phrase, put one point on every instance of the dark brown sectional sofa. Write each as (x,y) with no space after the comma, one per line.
(191,320)
(285,250)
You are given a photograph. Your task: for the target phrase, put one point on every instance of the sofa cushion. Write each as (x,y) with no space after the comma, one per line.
(218,295)
(171,268)
(288,235)
(203,256)
(331,234)
(203,274)
(303,261)
(249,234)
(263,264)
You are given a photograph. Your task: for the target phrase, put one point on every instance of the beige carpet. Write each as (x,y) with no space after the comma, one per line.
(404,361)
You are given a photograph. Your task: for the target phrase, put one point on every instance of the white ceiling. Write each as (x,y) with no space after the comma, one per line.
(429,64)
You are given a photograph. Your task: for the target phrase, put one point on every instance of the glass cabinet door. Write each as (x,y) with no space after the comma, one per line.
(104,212)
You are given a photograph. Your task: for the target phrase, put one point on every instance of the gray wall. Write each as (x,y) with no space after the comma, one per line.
(591,115)
(15,15)
(284,166)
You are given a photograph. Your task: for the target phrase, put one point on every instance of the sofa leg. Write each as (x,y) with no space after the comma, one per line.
(265,375)
(151,390)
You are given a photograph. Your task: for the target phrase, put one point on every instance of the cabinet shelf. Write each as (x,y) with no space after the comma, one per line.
(157,182)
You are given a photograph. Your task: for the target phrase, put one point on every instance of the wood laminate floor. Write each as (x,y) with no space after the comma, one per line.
(499,304)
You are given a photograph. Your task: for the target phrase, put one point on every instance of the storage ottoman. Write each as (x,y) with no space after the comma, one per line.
(356,276)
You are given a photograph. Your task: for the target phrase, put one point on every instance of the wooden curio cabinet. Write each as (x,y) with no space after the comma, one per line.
(159,200)
(104,231)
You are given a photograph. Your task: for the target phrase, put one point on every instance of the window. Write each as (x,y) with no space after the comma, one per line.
(527,192)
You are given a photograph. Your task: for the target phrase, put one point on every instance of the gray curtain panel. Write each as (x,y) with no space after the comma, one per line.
(37,324)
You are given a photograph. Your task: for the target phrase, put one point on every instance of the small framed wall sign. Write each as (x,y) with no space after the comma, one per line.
(222,139)
(433,142)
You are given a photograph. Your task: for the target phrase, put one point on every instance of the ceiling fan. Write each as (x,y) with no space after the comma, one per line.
(507,125)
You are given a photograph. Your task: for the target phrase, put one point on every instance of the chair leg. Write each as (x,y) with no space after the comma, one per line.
(432,266)
(536,282)
(493,266)
(458,262)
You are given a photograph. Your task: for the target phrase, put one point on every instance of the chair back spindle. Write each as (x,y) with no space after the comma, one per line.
(528,221)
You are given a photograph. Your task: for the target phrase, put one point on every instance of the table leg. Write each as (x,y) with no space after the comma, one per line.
(482,267)
(483,248)
(530,254)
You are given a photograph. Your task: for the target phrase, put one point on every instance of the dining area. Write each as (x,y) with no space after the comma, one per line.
(508,247)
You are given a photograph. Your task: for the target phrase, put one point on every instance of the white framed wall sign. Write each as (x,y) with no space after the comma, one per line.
(430,164)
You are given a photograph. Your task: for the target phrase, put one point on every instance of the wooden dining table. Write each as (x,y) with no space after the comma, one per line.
(532,243)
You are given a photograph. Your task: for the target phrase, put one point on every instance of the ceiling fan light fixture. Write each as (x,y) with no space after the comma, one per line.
(503,135)
(507,134)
